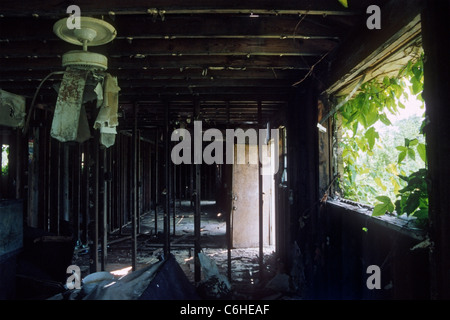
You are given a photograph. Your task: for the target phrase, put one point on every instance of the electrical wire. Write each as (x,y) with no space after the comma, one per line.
(25,128)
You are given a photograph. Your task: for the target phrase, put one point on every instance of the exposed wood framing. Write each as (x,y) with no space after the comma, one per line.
(162,8)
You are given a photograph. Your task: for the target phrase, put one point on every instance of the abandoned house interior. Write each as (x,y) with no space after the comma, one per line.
(122,123)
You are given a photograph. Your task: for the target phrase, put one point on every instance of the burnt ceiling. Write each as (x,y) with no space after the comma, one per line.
(229,58)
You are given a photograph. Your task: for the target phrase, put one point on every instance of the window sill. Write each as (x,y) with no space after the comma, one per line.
(401,224)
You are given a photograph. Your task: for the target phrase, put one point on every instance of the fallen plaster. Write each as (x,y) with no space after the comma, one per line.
(246,282)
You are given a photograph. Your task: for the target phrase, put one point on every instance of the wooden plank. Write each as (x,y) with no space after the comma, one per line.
(175,62)
(117,7)
(174,87)
(172,74)
(144,27)
(142,95)
(161,47)
(168,83)
(206,90)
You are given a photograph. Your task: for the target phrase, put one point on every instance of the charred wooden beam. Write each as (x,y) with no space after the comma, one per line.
(168,88)
(267,93)
(232,63)
(160,8)
(189,27)
(49,95)
(172,74)
(141,48)
(166,83)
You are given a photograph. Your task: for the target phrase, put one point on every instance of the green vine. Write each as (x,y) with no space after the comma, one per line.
(388,173)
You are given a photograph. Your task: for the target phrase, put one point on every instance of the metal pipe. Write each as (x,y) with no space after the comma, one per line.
(150,176)
(134,190)
(77,191)
(58,184)
(167,183)
(124,162)
(118,184)
(94,245)
(197,221)
(174,193)
(103,184)
(87,157)
(260,195)
(138,182)
(65,181)
(197,214)
(228,237)
(156,179)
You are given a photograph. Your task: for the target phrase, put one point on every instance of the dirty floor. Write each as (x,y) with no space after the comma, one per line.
(246,282)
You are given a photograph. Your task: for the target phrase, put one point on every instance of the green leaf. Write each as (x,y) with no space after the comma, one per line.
(400,205)
(417,87)
(383,207)
(379,210)
(421,213)
(413,142)
(344,3)
(407,141)
(384,199)
(401,156)
(372,112)
(412,203)
(352,117)
(355,127)
(420,98)
(411,154)
(421,150)
(417,71)
(362,119)
(371,135)
(384,119)
(401,148)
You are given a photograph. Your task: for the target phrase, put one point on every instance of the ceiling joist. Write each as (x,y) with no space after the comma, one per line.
(180,7)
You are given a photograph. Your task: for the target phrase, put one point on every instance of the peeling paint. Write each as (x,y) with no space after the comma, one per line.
(68,105)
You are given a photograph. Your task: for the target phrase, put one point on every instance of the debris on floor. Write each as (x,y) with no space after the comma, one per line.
(163,280)
(214,285)
(175,279)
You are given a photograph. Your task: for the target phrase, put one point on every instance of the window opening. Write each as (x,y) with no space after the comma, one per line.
(381,138)
(5,159)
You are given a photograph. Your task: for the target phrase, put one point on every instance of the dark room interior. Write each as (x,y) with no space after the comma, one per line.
(199,150)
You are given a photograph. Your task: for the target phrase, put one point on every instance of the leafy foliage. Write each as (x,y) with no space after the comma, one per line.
(413,199)
(379,165)
(5,163)
(383,207)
